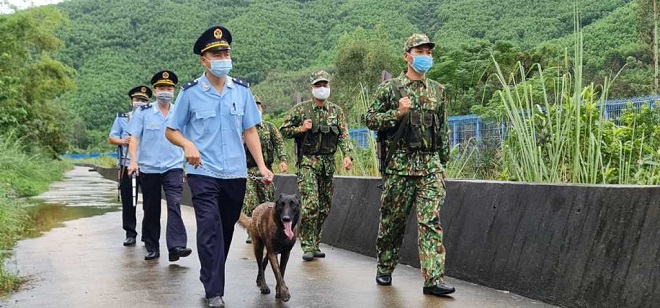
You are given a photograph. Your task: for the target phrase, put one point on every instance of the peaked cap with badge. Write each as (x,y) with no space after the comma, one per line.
(140,91)
(164,78)
(214,38)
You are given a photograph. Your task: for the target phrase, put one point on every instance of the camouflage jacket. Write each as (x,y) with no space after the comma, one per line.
(329,114)
(271,143)
(383,117)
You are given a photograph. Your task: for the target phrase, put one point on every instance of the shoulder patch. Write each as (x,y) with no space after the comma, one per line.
(146,107)
(122,115)
(241,82)
(189,84)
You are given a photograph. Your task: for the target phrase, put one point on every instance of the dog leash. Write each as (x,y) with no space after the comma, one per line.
(224,176)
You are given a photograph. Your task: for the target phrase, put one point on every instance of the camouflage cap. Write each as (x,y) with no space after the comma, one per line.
(257,100)
(415,40)
(317,76)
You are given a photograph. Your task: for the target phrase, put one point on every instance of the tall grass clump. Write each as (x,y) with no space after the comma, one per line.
(27,171)
(13,222)
(21,175)
(365,160)
(554,136)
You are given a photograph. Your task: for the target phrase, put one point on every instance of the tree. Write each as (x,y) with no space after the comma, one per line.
(31,81)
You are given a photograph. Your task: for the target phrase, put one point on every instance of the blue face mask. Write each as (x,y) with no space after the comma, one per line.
(422,64)
(220,68)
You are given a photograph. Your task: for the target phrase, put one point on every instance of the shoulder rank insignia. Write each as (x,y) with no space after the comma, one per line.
(145,107)
(189,84)
(122,115)
(241,82)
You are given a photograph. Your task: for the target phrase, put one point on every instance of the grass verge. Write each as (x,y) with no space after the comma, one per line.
(21,175)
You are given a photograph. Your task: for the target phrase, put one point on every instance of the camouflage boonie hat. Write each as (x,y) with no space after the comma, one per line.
(415,40)
(319,76)
(257,100)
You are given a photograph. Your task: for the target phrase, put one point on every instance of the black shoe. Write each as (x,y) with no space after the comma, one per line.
(383,279)
(308,256)
(319,254)
(440,290)
(176,253)
(129,241)
(152,255)
(216,302)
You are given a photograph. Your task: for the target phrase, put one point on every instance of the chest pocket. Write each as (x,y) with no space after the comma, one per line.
(237,110)
(332,120)
(152,131)
(205,118)
(428,103)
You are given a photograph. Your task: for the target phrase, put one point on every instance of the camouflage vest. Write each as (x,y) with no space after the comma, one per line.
(421,130)
(267,147)
(322,138)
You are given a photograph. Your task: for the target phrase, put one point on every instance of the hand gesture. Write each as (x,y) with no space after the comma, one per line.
(307,125)
(404,105)
(133,168)
(192,155)
(267,175)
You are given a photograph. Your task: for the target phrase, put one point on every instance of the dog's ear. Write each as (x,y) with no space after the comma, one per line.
(298,198)
(279,197)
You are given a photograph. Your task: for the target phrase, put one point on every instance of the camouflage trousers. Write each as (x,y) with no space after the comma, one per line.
(426,194)
(316,187)
(256,193)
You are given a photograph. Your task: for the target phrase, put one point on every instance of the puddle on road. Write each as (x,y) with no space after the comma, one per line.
(81,194)
(46,216)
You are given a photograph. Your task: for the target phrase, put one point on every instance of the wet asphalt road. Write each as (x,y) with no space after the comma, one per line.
(82,263)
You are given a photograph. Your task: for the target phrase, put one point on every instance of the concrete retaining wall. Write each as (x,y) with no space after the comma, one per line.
(570,245)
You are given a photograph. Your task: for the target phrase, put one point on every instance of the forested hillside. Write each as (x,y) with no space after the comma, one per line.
(114,45)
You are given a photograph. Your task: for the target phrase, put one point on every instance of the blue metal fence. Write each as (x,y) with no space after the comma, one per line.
(89,155)
(463,128)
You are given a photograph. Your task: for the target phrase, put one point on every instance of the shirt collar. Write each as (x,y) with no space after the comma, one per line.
(324,107)
(406,81)
(206,84)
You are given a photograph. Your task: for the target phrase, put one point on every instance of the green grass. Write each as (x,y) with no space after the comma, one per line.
(553,136)
(13,222)
(103,161)
(21,175)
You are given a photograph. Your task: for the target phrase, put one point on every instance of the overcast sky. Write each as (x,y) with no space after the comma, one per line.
(6,5)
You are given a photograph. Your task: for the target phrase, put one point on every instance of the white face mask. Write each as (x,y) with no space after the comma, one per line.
(321,93)
(137,105)
(164,97)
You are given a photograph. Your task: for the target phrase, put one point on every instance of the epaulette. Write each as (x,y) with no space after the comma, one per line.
(145,107)
(241,82)
(189,84)
(122,115)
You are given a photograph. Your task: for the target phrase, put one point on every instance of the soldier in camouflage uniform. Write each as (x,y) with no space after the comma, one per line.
(319,127)
(272,145)
(409,112)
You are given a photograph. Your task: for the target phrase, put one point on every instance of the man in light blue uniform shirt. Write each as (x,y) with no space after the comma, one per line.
(212,117)
(160,165)
(119,136)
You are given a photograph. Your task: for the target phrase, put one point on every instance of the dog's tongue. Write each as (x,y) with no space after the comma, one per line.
(288,231)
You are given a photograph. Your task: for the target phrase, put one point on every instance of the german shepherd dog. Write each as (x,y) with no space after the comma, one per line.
(275,227)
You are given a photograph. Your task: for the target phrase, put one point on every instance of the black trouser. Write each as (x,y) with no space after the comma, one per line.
(128,219)
(171,182)
(217,204)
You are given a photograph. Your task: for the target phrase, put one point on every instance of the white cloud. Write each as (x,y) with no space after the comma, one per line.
(9,6)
